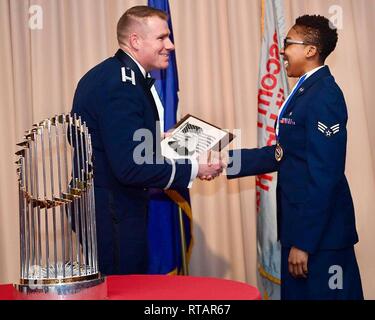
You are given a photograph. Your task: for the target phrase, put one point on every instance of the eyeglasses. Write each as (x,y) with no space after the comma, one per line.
(287,42)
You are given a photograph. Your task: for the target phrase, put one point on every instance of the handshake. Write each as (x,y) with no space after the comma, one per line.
(211,165)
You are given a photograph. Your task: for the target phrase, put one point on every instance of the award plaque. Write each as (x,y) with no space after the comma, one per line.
(192,136)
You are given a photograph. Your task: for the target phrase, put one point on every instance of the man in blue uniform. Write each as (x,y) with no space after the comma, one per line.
(116,99)
(316,223)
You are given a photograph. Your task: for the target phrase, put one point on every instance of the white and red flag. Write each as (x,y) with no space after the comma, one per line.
(272,91)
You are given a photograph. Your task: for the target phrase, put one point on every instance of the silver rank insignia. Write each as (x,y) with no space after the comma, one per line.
(126,77)
(328,131)
(278,152)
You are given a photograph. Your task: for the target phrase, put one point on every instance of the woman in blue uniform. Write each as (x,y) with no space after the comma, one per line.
(316,222)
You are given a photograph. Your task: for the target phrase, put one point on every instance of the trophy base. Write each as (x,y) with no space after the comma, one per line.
(95,289)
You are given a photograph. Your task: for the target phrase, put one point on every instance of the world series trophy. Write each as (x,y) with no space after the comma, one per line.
(58,249)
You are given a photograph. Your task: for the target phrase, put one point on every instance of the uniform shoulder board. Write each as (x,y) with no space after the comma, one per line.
(128,75)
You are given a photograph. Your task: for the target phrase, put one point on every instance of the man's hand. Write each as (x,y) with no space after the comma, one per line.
(210,165)
(297,262)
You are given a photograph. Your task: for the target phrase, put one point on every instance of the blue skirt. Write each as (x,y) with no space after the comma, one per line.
(332,275)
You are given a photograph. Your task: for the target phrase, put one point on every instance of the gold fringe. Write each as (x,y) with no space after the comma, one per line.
(184,205)
(266,296)
(268,276)
(173,272)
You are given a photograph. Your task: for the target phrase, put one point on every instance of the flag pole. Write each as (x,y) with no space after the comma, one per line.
(185,270)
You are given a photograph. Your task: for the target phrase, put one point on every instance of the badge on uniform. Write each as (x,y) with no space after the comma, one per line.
(288,121)
(328,131)
(126,77)
(278,152)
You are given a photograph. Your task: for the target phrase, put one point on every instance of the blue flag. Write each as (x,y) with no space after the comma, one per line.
(165,253)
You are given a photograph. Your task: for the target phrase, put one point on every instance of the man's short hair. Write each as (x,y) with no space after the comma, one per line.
(319,31)
(135,15)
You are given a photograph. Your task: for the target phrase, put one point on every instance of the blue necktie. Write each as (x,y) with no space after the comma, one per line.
(299,83)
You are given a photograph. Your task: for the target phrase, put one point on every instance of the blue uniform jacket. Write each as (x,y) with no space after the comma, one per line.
(115,101)
(314,205)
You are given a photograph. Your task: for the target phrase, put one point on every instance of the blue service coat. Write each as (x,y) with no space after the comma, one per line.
(315,211)
(115,101)
(314,206)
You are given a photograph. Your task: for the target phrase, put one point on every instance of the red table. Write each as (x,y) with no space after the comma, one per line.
(161,287)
